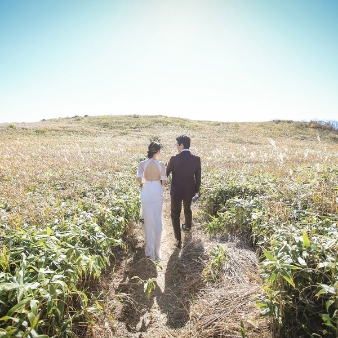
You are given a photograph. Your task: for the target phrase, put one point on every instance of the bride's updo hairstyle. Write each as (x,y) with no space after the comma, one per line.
(153,148)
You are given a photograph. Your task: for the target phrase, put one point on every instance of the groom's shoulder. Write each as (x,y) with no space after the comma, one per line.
(183,155)
(174,156)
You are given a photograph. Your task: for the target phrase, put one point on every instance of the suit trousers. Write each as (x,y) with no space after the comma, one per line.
(176,207)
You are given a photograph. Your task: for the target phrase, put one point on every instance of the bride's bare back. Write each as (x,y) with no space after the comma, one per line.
(152,172)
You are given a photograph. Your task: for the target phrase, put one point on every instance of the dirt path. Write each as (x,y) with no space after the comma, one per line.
(185,303)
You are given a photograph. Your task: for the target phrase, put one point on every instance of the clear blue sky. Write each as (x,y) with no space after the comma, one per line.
(225,60)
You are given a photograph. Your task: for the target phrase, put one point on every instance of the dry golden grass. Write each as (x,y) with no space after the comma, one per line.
(38,159)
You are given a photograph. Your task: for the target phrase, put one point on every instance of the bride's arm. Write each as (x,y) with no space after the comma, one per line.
(163,174)
(139,176)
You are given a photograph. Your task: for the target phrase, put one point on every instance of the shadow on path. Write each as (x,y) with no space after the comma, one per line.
(183,279)
(136,304)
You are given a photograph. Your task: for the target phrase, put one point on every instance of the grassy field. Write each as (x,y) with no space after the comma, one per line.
(68,191)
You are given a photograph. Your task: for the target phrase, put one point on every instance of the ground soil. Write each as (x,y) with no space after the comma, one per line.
(187,301)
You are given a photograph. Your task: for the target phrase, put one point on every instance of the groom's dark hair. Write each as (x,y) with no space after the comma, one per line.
(183,139)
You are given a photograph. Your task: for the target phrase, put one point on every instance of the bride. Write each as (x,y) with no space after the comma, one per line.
(152,176)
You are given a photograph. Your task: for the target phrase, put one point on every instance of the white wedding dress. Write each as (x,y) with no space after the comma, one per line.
(151,208)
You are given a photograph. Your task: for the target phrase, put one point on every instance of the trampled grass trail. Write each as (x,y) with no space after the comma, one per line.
(193,296)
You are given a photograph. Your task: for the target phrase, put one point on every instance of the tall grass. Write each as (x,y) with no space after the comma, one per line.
(65,203)
(292,222)
(45,270)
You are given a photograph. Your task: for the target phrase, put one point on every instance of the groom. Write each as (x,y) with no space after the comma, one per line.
(185,185)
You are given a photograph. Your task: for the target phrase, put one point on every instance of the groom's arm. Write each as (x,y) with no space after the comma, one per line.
(170,167)
(198,177)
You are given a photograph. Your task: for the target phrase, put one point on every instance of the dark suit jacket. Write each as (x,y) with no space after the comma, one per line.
(186,174)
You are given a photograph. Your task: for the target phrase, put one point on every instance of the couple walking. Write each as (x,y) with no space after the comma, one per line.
(185,184)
